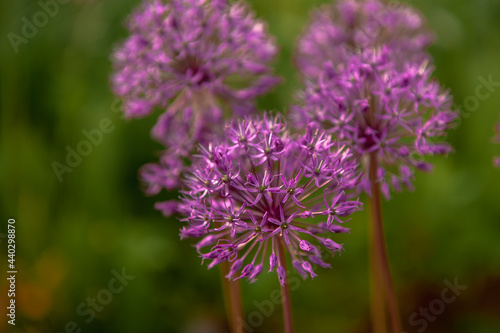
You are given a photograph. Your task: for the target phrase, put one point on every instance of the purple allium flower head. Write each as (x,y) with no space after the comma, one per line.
(348,27)
(192,59)
(258,188)
(372,106)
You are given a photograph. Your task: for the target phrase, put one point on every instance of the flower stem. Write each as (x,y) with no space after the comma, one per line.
(379,257)
(285,294)
(378,314)
(232,300)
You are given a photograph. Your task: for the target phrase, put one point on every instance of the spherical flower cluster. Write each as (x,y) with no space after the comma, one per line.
(194,60)
(375,108)
(350,26)
(259,190)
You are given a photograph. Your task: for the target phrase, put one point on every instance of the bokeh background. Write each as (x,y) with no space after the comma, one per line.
(72,234)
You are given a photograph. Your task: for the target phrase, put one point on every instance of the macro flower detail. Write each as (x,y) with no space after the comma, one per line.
(371,106)
(196,61)
(155,177)
(259,189)
(368,83)
(337,31)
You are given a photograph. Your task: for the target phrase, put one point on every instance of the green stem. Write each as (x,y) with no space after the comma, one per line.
(232,300)
(380,258)
(378,314)
(285,294)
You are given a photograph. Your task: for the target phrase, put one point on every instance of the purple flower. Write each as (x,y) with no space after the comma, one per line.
(260,188)
(347,27)
(194,60)
(376,102)
(155,177)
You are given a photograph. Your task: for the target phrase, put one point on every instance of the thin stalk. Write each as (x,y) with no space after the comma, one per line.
(380,258)
(378,313)
(285,294)
(232,300)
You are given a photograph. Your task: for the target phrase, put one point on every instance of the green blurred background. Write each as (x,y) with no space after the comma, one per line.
(72,234)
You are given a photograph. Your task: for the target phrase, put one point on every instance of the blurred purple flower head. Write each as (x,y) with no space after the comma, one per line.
(348,27)
(377,100)
(165,174)
(194,60)
(258,188)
